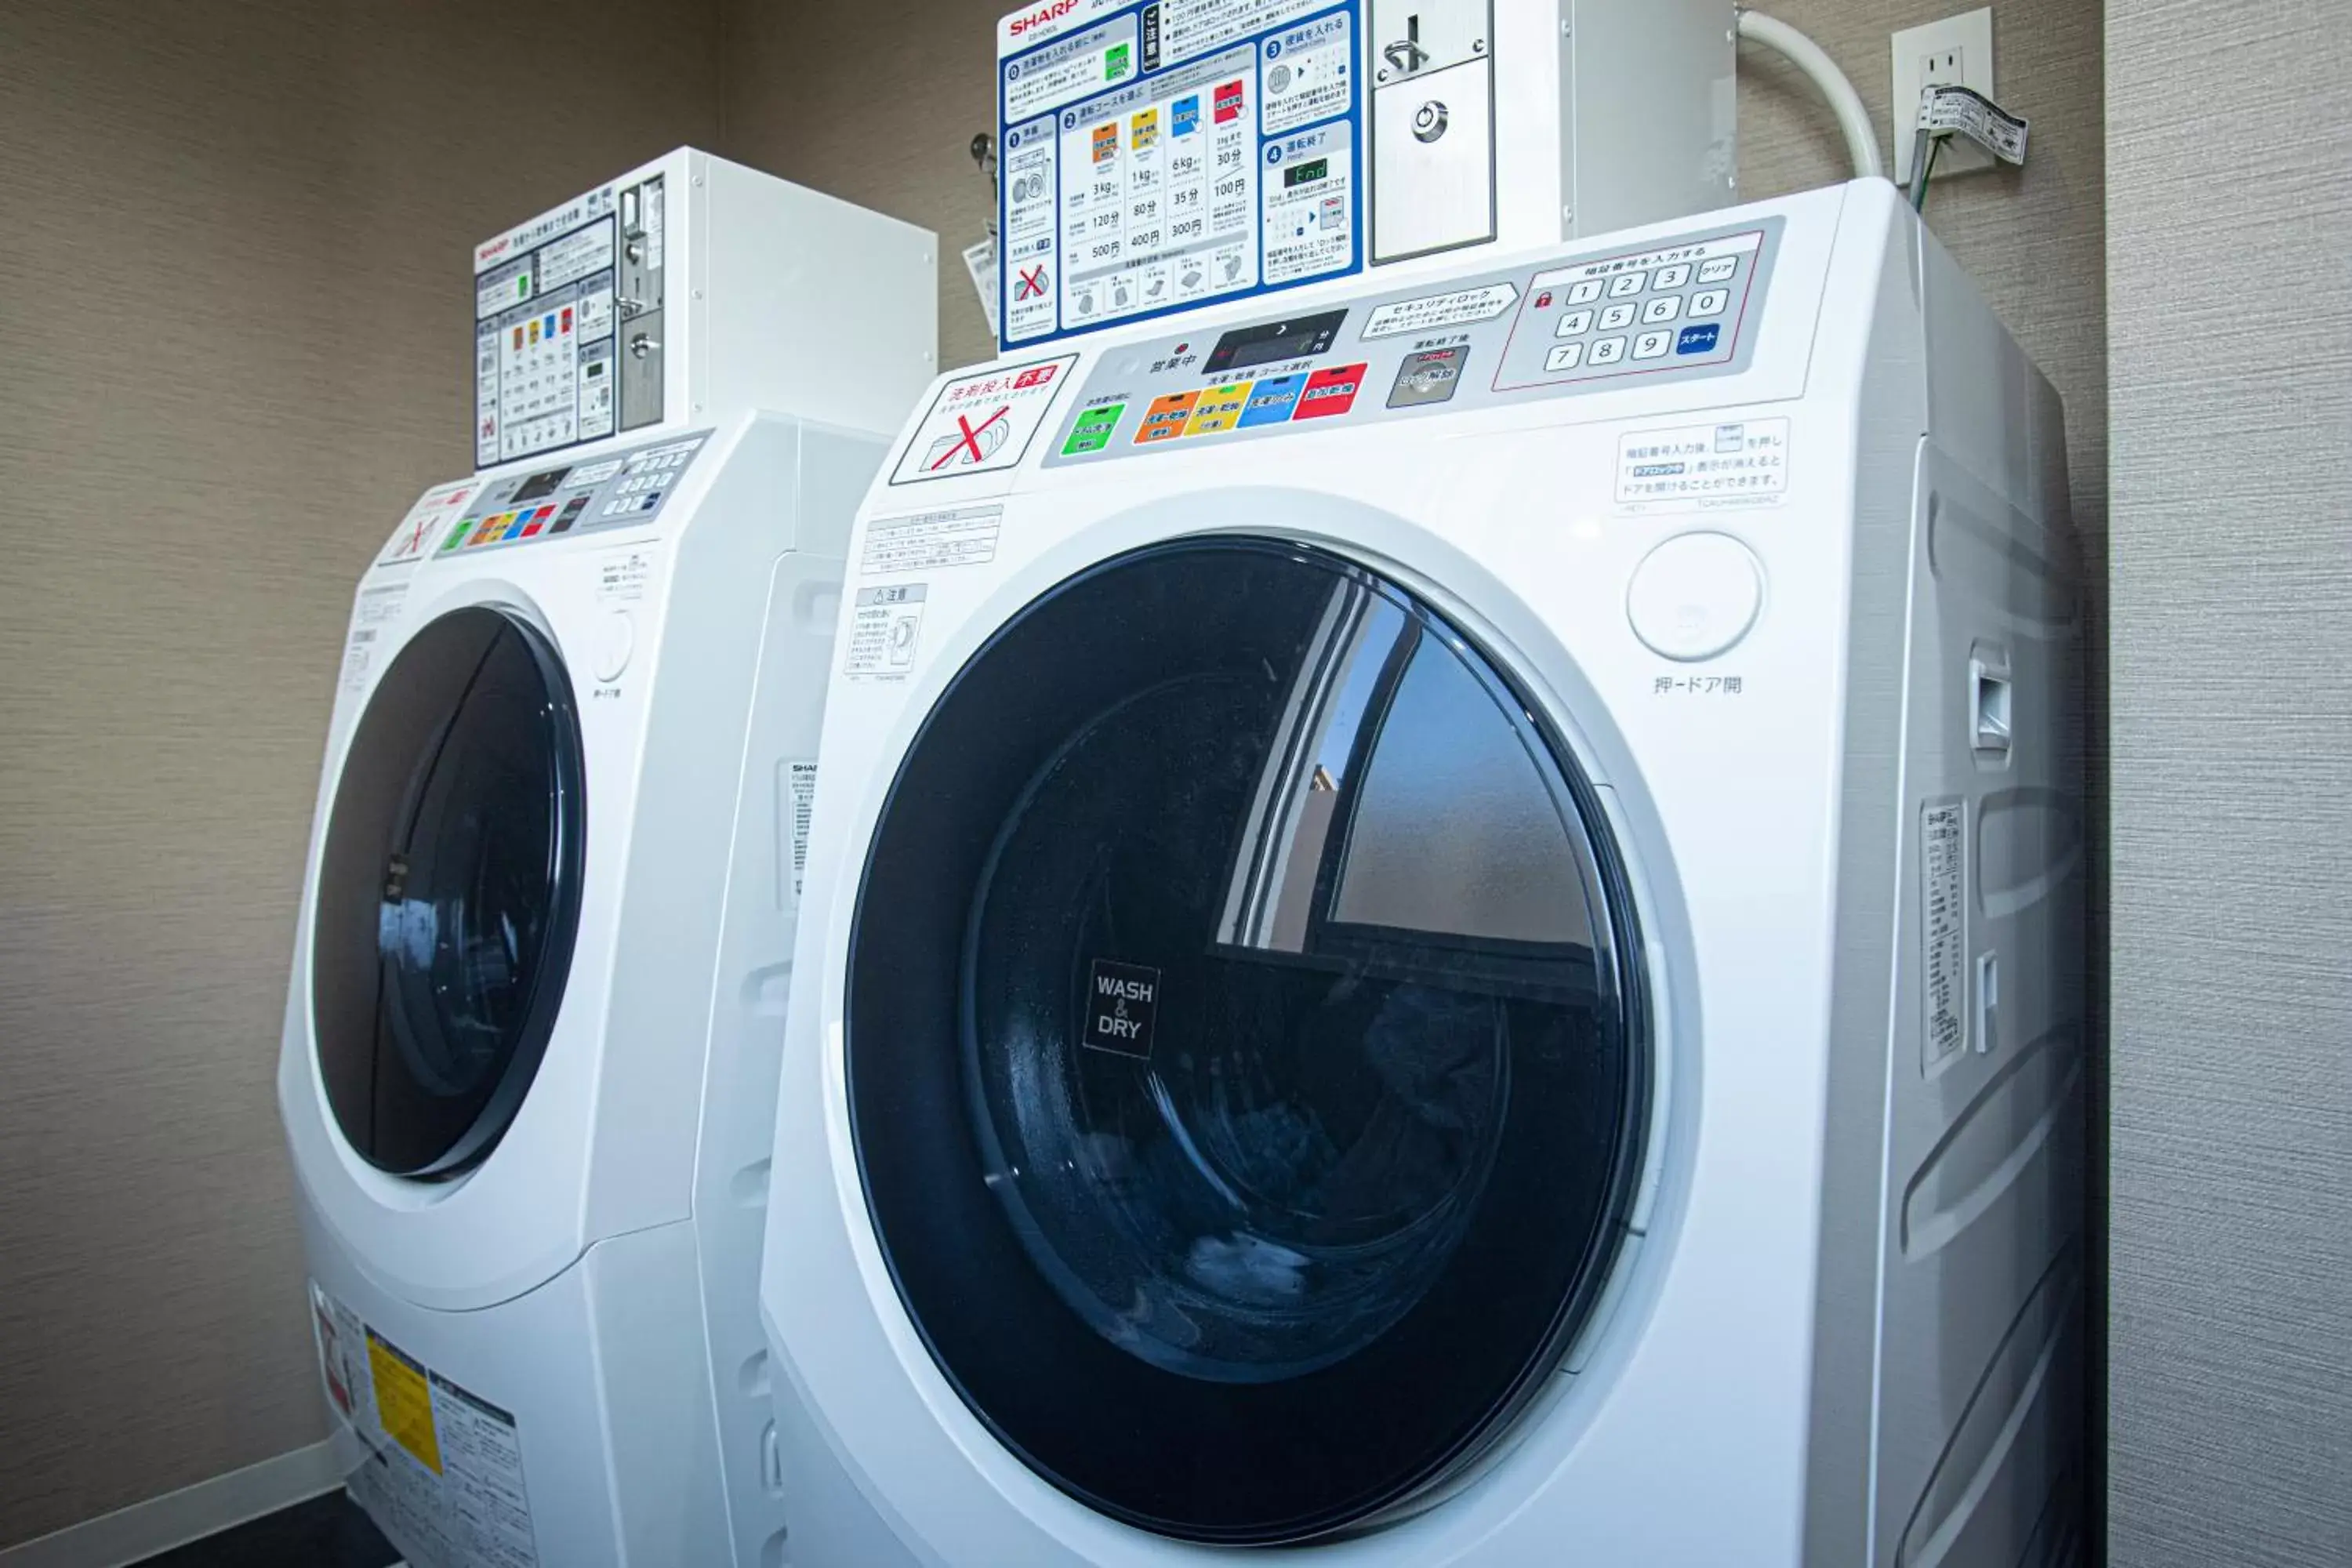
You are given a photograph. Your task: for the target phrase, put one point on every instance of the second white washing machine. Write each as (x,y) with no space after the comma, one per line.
(1445,927)
(531,1180)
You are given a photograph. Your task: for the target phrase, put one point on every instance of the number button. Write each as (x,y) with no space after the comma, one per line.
(1709,304)
(1609,351)
(1616,316)
(1653,345)
(1575,324)
(1665,308)
(1585,292)
(1671,277)
(1568,356)
(1627,283)
(1717,270)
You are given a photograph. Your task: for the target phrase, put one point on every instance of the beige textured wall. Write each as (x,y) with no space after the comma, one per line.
(234,344)
(2229,230)
(894,133)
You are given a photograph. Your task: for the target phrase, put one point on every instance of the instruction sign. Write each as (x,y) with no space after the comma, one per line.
(1160,154)
(799,798)
(981,422)
(1943,930)
(959,536)
(884,627)
(1730,464)
(371,620)
(443,1476)
(422,528)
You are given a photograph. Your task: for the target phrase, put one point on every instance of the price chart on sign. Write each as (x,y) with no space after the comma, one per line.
(981,422)
(1159,155)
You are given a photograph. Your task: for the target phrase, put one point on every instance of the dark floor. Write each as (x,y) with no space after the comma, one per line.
(327,1532)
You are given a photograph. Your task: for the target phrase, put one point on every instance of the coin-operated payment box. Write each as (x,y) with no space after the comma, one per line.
(1160,155)
(1433,126)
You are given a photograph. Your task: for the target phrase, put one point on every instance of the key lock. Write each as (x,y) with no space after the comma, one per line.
(632,250)
(1407,57)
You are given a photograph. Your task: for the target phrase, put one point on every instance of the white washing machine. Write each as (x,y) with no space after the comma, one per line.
(1447,928)
(531,1181)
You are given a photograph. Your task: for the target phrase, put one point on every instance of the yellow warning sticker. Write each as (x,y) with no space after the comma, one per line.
(403,1402)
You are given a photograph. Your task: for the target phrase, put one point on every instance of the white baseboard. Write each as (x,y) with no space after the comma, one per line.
(158,1524)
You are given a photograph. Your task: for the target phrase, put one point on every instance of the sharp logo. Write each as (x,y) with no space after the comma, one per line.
(1028,20)
(490,249)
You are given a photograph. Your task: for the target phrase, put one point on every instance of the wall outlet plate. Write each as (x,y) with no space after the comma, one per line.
(1956,49)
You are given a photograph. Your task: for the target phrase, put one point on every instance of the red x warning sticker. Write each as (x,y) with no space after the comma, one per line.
(983,421)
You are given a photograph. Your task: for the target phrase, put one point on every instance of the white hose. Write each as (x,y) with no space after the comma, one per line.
(1852,117)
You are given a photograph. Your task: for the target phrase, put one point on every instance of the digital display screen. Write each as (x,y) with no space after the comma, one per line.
(1306,173)
(1300,337)
(540,485)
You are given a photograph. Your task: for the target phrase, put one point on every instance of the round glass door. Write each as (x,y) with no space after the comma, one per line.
(448,894)
(1245,1042)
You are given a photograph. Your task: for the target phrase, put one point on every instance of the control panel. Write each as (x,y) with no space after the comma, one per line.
(623,489)
(1666,312)
(568,321)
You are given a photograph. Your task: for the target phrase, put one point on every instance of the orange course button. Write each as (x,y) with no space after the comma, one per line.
(1220,408)
(1164,420)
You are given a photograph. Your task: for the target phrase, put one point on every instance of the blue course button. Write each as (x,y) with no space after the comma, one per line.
(1700,339)
(1271,401)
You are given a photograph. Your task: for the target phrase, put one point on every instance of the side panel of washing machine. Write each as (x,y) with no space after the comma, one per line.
(1981,1331)
(652,1090)
(1883,350)
(760,1452)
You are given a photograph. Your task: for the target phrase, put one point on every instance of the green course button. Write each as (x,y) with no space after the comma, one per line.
(1093,430)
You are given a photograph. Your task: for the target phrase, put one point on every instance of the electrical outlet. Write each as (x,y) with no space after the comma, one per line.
(1957,49)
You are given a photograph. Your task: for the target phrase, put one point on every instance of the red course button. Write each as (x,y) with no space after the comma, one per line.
(1330,392)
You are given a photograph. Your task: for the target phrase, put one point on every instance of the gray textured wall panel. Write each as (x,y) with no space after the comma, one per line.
(233,278)
(2230,257)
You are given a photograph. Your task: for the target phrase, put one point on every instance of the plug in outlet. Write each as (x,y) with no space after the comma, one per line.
(1957,49)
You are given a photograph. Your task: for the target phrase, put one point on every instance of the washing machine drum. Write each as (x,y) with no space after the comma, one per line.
(448,894)
(1245,1042)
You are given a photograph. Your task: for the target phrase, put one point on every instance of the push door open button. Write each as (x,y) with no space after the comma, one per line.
(1696,596)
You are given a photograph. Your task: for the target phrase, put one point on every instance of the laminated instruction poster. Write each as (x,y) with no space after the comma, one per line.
(1154,157)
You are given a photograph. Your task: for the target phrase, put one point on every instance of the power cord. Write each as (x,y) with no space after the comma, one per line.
(1923,160)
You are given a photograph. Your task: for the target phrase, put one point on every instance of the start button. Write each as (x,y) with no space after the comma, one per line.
(1696,595)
